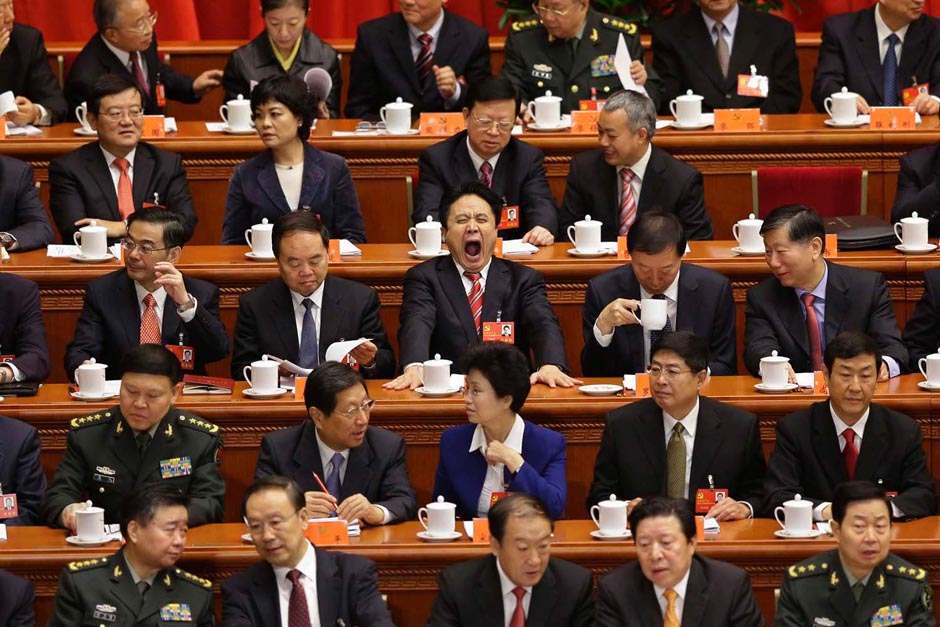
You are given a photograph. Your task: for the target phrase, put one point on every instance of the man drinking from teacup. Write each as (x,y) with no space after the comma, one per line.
(448,299)
(140,584)
(681,444)
(849,438)
(860,582)
(696,299)
(111,454)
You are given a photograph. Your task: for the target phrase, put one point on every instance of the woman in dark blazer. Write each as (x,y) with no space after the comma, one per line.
(291,174)
(286,41)
(498,452)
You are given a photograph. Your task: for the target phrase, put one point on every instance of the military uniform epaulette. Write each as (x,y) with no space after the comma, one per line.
(818,565)
(185,419)
(75,567)
(193,579)
(896,567)
(617,24)
(527,24)
(97,418)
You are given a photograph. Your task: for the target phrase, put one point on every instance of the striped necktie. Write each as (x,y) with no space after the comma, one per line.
(475,297)
(425,61)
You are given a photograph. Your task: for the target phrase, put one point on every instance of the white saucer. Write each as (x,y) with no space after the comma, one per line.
(927,385)
(79,396)
(815,533)
(256,257)
(80,258)
(419,255)
(561,126)
(99,542)
(766,389)
(437,394)
(702,123)
(737,250)
(429,538)
(410,131)
(583,254)
(834,124)
(915,250)
(263,395)
(597,533)
(246,537)
(600,389)
(81,131)
(231,131)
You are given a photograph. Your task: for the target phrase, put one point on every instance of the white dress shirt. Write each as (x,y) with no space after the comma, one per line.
(434,32)
(680,589)
(308,581)
(883,33)
(509,599)
(125,57)
(300,310)
(477,160)
(639,173)
(690,423)
(730,24)
(115,171)
(493,482)
(159,295)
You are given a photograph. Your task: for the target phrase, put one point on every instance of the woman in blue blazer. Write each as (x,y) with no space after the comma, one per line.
(499,452)
(291,174)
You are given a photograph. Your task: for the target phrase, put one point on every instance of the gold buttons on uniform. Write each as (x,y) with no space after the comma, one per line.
(541,84)
(606,88)
(574,89)
(101,490)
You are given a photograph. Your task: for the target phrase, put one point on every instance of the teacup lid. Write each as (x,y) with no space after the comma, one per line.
(751,218)
(913,219)
(798,501)
(587,220)
(399,104)
(238,100)
(437,361)
(548,97)
(264,225)
(844,93)
(774,359)
(91,226)
(611,502)
(440,503)
(429,223)
(690,95)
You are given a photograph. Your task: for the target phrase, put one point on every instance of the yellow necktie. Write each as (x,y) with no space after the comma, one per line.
(671,619)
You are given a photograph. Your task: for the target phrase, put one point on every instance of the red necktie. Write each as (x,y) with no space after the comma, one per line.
(149,325)
(125,189)
(425,61)
(476,299)
(486,174)
(627,201)
(297,613)
(139,73)
(518,615)
(812,332)
(850,452)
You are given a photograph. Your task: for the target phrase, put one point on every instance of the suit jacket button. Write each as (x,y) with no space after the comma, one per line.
(541,84)
(727,96)
(574,89)
(101,490)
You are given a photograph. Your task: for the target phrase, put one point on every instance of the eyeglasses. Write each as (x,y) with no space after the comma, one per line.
(365,408)
(116,115)
(487,124)
(143,26)
(365,126)
(256,528)
(145,249)
(669,373)
(540,10)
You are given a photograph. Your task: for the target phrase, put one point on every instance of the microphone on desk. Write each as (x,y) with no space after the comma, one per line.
(319,83)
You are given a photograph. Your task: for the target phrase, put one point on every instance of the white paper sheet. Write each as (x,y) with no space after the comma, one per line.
(215,127)
(68,250)
(3,532)
(348,248)
(19,131)
(518,247)
(289,365)
(337,350)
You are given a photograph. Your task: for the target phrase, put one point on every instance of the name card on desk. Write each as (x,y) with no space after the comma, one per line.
(3,127)
(333,254)
(622,252)
(498,249)
(481,531)
(441,123)
(735,120)
(832,246)
(323,533)
(892,119)
(153,126)
(643,385)
(584,122)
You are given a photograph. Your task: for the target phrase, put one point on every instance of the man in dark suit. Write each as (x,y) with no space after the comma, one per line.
(479,593)
(922,331)
(778,318)
(679,443)
(918,189)
(108,180)
(424,55)
(24,354)
(857,48)
(24,70)
(271,317)
(448,300)
(20,471)
(849,438)
(628,175)
(295,577)
(367,477)
(18,596)
(687,54)
(486,151)
(697,300)
(126,44)
(669,584)
(149,301)
(23,222)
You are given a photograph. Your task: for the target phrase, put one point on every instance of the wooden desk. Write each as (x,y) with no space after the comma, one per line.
(408,568)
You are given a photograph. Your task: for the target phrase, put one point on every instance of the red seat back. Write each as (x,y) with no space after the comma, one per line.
(832,191)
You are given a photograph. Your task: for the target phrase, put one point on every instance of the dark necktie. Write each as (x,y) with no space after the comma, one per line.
(486,174)
(655,336)
(812,332)
(138,72)
(425,61)
(890,70)
(675,463)
(297,613)
(518,614)
(333,484)
(142,587)
(850,453)
(309,350)
(143,442)
(857,590)
(475,297)
(721,49)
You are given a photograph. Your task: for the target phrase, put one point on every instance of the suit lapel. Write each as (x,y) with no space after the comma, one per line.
(648,609)
(649,191)
(685,316)
(707,444)
(915,41)
(161,447)
(328,588)
(874,596)
(313,177)
(358,471)
(826,444)
(791,317)
(399,47)
(633,333)
(143,173)
(696,594)
(838,302)
(330,315)
(608,188)
(100,174)
(489,597)
(495,295)
(124,589)
(654,442)
(130,311)
(284,321)
(172,323)
(746,42)
(123,445)
(840,594)
(307,458)
(448,41)
(587,48)
(452,285)
(696,33)
(544,597)
(463,165)
(869,51)
(269,183)
(160,594)
(874,444)
(267,597)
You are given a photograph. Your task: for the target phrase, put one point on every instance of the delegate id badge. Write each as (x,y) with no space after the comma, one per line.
(910,94)
(8,506)
(6,358)
(510,218)
(707,499)
(186,355)
(499,332)
(753,84)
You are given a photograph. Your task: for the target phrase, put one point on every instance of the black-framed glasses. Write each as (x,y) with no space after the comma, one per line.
(145,249)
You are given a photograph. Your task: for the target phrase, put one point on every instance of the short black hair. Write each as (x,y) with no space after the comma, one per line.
(300,220)
(850,492)
(275,482)
(290,91)
(492,88)
(274,5)
(111,85)
(326,381)
(174,233)
(518,504)
(664,507)
(692,348)
(848,345)
(105,13)
(152,359)
(655,231)
(504,366)
(802,224)
(142,503)
(470,188)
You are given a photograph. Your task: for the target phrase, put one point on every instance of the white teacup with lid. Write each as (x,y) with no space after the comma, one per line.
(797,514)
(586,235)
(747,234)
(929,366)
(912,231)
(546,110)
(842,106)
(92,240)
(610,516)
(436,375)
(426,236)
(236,113)
(259,238)
(773,370)
(89,523)
(397,116)
(438,518)
(687,109)
(90,378)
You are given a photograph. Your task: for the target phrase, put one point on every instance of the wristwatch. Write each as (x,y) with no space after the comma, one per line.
(6,240)
(189,304)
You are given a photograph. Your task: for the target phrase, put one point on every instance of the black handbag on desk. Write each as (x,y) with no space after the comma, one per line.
(861,232)
(19,388)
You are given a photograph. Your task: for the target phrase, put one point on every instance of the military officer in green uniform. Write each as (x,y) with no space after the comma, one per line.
(568,48)
(859,583)
(111,453)
(139,585)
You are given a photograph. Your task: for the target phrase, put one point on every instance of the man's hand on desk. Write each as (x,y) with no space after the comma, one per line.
(539,236)
(319,504)
(863,108)
(115,228)
(26,112)
(729,509)
(358,507)
(552,376)
(408,380)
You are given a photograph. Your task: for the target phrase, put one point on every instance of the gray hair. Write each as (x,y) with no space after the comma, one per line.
(639,109)
(105,13)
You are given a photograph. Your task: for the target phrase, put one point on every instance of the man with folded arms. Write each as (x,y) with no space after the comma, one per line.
(24,225)
(25,353)
(679,443)
(297,584)
(140,584)
(860,582)
(111,454)
(808,300)
(520,583)
(448,300)
(669,580)
(362,467)
(850,438)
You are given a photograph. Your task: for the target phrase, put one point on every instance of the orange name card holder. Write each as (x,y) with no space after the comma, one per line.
(153,126)
(441,123)
(584,122)
(892,119)
(737,120)
(327,532)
